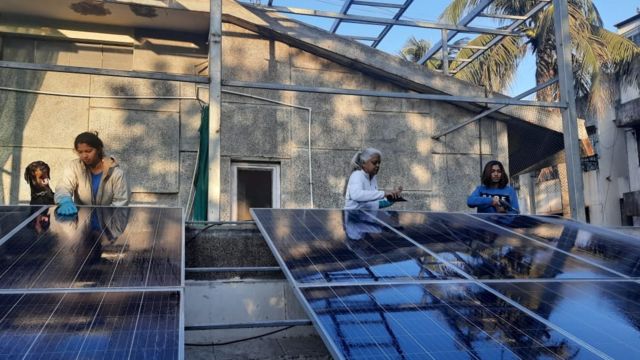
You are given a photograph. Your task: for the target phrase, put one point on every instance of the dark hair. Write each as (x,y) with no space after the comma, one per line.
(30,170)
(91,139)
(486,174)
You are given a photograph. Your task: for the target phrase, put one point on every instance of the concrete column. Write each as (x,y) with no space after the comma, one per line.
(215,87)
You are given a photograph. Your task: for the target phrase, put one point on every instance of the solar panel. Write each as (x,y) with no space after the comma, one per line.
(490,252)
(433,321)
(345,246)
(103,247)
(96,325)
(107,284)
(613,250)
(604,314)
(514,294)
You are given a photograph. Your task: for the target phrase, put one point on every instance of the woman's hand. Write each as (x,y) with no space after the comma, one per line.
(496,204)
(394,194)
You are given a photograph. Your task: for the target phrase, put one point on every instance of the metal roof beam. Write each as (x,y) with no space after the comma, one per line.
(494,109)
(511,27)
(503,16)
(464,21)
(384,21)
(387,28)
(377,4)
(364,38)
(398,95)
(478,47)
(345,8)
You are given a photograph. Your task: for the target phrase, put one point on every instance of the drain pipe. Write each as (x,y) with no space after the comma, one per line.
(308,109)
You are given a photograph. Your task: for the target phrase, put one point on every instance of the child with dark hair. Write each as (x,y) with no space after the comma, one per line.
(92,179)
(495,195)
(37,175)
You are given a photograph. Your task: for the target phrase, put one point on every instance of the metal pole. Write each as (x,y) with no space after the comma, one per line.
(494,109)
(215,86)
(445,52)
(569,115)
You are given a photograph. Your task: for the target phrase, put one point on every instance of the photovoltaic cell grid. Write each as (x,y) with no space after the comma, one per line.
(516,287)
(104,285)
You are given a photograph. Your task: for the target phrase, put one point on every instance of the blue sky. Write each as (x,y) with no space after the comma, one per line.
(612,12)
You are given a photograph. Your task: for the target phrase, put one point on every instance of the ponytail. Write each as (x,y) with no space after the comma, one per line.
(362,156)
(356,162)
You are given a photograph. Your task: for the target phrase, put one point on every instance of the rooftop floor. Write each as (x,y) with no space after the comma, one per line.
(307,348)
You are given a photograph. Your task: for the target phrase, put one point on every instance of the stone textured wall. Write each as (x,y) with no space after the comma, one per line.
(436,175)
(156,140)
(144,135)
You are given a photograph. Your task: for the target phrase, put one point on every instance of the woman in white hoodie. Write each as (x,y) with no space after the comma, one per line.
(362,189)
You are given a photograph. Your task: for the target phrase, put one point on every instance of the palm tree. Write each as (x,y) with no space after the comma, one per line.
(598,54)
(414,49)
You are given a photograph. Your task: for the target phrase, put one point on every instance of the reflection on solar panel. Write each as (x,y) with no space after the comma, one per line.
(500,292)
(615,251)
(335,247)
(604,314)
(105,285)
(10,216)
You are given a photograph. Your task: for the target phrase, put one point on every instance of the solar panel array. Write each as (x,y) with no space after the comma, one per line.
(419,285)
(107,284)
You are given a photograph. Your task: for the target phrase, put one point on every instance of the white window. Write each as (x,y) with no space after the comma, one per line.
(253,185)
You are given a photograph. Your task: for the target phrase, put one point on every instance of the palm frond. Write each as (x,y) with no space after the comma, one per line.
(624,55)
(496,68)
(414,49)
(456,9)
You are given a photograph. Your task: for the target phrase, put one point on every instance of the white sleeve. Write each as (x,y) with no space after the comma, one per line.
(358,189)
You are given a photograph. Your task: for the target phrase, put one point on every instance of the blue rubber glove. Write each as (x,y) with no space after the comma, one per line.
(384,203)
(66,207)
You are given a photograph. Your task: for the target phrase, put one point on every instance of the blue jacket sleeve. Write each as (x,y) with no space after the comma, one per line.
(475,200)
(515,206)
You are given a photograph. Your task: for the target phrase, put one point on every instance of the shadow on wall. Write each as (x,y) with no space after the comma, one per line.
(15,113)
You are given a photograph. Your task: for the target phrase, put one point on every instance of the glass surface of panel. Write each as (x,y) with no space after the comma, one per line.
(12,216)
(344,246)
(101,247)
(605,315)
(613,250)
(97,325)
(433,321)
(489,252)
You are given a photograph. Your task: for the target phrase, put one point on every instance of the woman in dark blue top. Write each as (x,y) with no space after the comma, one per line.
(495,195)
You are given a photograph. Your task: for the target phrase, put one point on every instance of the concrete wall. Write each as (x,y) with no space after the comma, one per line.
(144,135)
(436,175)
(156,140)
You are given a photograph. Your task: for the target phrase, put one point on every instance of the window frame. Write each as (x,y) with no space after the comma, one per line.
(273,168)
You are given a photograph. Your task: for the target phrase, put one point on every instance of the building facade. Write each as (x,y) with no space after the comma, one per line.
(138,75)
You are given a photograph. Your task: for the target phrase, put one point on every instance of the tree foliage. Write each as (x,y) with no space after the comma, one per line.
(598,55)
